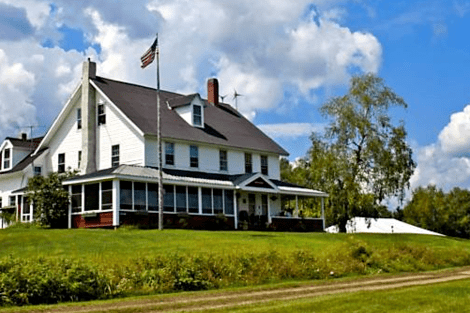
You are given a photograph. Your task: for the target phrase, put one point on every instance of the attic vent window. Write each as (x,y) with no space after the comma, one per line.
(101,114)
(197,115)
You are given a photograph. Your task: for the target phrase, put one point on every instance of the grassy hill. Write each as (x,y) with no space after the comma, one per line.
(107,263)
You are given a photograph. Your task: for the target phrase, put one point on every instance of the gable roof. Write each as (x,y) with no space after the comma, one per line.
(223,125)
(28,143)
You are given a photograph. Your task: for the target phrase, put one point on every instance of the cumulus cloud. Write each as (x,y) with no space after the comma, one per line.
(257,48)
(446,163)
(290,130)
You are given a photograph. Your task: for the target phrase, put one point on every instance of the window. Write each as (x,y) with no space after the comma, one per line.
(126,195)
(228,202)
(206,201)
(169,153)
(61,163)
(76,198)
(197,115)
(0,202)
(180,198)
(223,160)
(79,158)
(248,163)
(115,156)
(168,198)
(218,202)
(6,159)
(79,118)
(92,192)
(193,156)
(12,201)
(107,195)
(101,115)
(140,199)
(37,171)
(152,195)
(193,200)
(264,165)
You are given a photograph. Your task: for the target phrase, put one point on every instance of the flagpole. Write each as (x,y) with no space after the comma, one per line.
(159,143)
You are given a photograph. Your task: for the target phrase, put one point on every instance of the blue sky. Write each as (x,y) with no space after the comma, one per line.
(285,57)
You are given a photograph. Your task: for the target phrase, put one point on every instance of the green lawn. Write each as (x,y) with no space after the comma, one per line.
(125,244)
(132,262)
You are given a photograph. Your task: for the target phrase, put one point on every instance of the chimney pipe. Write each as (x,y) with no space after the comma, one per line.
(24,136)
(213,91)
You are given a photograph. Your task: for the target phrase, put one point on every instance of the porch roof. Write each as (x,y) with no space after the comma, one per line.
(174,176)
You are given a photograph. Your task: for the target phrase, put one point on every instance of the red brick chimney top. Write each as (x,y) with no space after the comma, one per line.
(213,91)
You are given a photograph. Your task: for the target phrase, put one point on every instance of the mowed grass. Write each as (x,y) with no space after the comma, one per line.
(438,298)
(124,244)
(49,266)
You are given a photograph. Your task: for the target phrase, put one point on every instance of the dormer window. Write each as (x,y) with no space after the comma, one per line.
(197,115)
(6,159)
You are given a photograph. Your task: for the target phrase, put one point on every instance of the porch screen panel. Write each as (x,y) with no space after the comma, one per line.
(218,202)
(228,201)
(92,192)
(206,201)
(180,198)
(193,200)
(140,199)
(168,198)
(126,195)
(107,195)
(26,207)
(76,198)
(152,197)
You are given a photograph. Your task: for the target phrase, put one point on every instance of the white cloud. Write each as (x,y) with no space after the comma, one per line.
(290,130)
(446,163)
(16,88)
(256,48)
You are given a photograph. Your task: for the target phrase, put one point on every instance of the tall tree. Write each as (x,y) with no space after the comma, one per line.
(362,157)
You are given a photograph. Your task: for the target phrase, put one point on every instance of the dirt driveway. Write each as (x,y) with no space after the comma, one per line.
(204,301)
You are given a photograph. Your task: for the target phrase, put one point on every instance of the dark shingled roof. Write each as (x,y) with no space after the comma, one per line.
(17,142)
(223,125)
(25,162)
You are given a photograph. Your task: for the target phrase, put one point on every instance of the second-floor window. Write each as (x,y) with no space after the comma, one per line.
(61,163)
(115,155)
(79,158)
(79,118)
(193,156)
(223,166)
(6,159)
(264,165)
(197,115)
(169,153)
(101,114)
(248,163)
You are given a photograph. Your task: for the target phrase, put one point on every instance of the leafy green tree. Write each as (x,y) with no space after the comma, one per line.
(433,209)
(50,199)
(362,157)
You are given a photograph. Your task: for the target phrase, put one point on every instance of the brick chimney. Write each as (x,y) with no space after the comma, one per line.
(88,107)
(213,91)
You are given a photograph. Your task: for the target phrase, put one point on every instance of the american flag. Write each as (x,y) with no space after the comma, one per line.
(149,55)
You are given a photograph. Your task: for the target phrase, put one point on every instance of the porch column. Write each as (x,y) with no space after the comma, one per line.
(116,203)
(70,209)
(199,201)
(323,212)
(296,212)
(235,209)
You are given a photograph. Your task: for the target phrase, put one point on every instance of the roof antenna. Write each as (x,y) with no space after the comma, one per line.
(235,96)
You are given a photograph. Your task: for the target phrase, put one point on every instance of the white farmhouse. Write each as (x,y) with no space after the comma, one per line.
(215,162)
